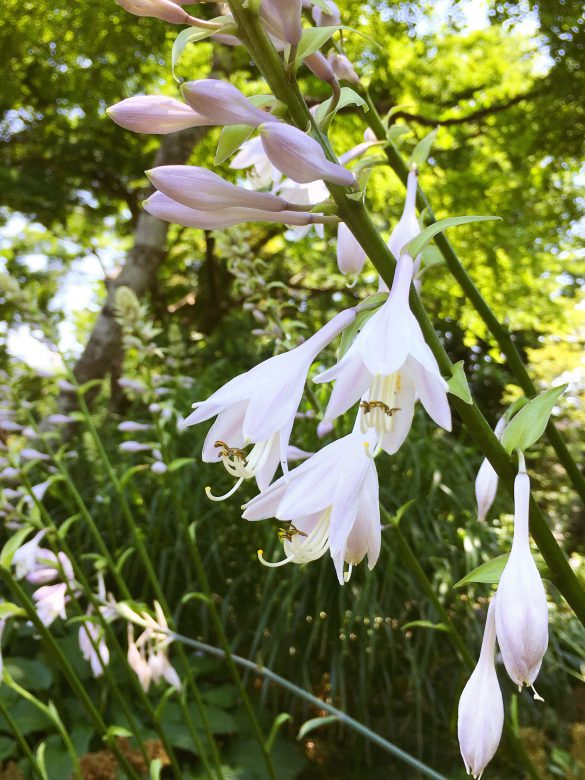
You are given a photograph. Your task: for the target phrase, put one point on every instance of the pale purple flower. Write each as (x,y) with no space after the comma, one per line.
(50,602)
(350,255)
(299,156)
(49,567)
(259,408)
(521,606)
(390,365)
(40,489)
(320,67)
(24,559)
(486,482)
(93,647)
(154,114)
(10,426)
(132,384)
(28,453)
(342,68)
(332,18)
(331,501)
(134,446)
(222,104)
(60,419)
(159,467)
(167,10)
(481,708)
(130,426)
(282,19)
(204,190)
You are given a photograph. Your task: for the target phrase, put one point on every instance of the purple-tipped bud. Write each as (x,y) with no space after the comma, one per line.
(165,208)
(283,19)
(320,67)
(300,157)
(481,708)
(330,19)
(167,10)
(201,189)
(154,114)
(222,103)
(521,607)
(350,255)
(342,68)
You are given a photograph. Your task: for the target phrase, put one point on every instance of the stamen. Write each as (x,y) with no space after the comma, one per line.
(379,414)
(347,574)
(210,495)
(537,696)
(303,547)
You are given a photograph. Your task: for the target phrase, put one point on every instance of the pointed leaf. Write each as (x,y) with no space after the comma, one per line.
(348,97)
(12,546)
(426,624)
(490,571)
(192,35)
(458,383)
(417,244)
(230,140)
(279,721)
(423,148)
(527,426)
(315,723)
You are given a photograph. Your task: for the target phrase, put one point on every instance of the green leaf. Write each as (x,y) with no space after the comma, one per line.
(515,407)
(192,35)
(155,769)
(12,546)
(32,675)
(416,246)
(178,463)
(527,426)
(315,723)
(279,721)
(312,39)
(490,571)
(230,139)
(426,624)
(423,148)
(224,696)
(395,131)
(365,310)
(458,385)
(118,731)
(8,609)
(348,97)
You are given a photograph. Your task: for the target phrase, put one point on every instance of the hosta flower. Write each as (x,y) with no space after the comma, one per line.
(50,602)
(50,567)
(521,608)
(154,114)
(222,104)
(24,559)
(252,155)
(137,662)
(167,10)
(93,647)
(486,482)
(350,255)
(331,504)
(342,68)
(283,19)
(390,365)
(328,18)
(407,226)
(481,708)
(259,408)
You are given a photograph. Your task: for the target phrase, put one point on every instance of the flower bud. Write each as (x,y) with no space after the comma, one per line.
(283,19)
(481,710)
(342,68)
(165,208)
(324,19)
(299,156)
(320,67)
(154,114)
(407,227)
(167,10)
(221,103)
(201,189)
(521,608)
(350,255)
(486,482)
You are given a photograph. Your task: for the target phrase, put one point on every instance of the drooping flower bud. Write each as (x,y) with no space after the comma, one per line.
(407,227)
(481,709)
(327,19)
(320,67)
(167,10)
(201,189)
(222,104)
(154,114)
(299,156)
(486,482)
(159,205)
(283,19)
(342,67)
(350,255)
(521,608)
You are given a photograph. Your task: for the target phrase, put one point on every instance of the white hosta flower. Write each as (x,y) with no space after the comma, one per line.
(134,446)
(24,559)
(390,365)
(129,426)
(49,567)
(407,226)
(252,155)
(481,708)
(93,647)
(331,503)
(137,662)
(50,602)
(161,669)
(486,482)
(521,607)
(40,489)
(350,255)
(259,408)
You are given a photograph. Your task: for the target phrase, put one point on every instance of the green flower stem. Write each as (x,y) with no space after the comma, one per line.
(74,681)
(493,324)
(346,720)
(19,736)
(53,715)
(408,555)
(201,575)
(355,215)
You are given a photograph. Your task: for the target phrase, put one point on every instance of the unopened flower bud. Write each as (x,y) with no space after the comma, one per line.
(320,67)
(283,19)
(350,255)
(221,103)
(300,157)
(342,68)
(154,114)
(167,10)
(481,709)
(204,190)
(521,607)
(134,446)
(327,19)
(486,482)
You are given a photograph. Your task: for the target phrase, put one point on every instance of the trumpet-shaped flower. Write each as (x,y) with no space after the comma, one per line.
(329,18)
(342,68)
(390,365)
(521,608)
(50,602)
(259,408)
(154,114)
(167,10)
(283,19)
(486,482)
(481,708)
(299,156)
(407,226)
(93,647)
(24,559)
(331,503)
(252,155)
(222,104)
